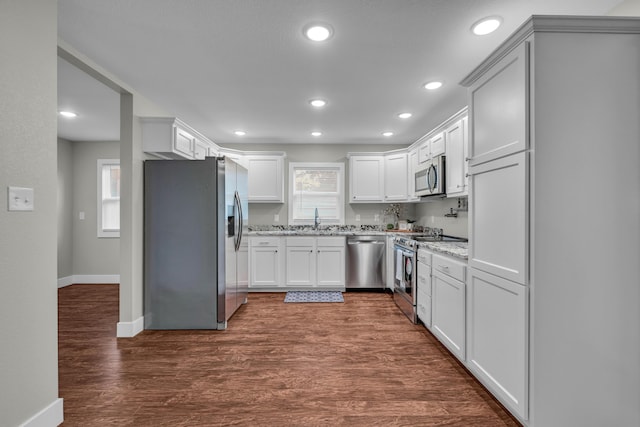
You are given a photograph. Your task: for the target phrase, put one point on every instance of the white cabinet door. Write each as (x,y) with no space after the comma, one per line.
(448,312)
(412,160)
(498,214)
(266,183)
(395,177)
(497,337)
(423,308)
(301,266)
(266,262)
(499,100)
(331,266)
(366,181)
(438,144)
(200,149)
(183,142)
(456,153)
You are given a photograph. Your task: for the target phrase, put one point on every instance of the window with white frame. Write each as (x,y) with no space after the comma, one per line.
(108,198)
(316,186)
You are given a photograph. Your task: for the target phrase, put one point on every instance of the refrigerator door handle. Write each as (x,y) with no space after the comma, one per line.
(241,227)
(237,220)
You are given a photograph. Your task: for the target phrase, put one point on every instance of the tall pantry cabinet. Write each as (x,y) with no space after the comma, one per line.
(553,318)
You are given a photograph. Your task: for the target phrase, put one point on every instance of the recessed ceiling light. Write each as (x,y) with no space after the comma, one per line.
(318,32)
(387,133)
(318,103)
(68,114)
(240,133)
(486,25)
(432,85)
(316,133)
(404,115)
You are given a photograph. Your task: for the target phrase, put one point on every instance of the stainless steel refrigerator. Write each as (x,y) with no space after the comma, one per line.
(196,267)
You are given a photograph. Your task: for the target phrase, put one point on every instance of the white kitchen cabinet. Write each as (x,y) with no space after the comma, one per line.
(499,101)
(331,258)
(424,150)
(497,337)
(200,149)
(301,262)
(266,178)
(498,228)
(541,93)
(167,138)
(266,262)
(457,164)
(395,177)
(315,262)
(437,143)
(448,304)
(412,160)
(366,178)
(424,299)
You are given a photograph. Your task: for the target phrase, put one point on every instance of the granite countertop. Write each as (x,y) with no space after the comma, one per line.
(344,230)
(454,249)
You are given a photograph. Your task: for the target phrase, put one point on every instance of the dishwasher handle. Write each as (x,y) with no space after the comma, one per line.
(364,242)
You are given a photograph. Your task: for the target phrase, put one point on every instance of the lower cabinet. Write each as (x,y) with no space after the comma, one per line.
(448,304)
(497,337)
(315,262)
(267,263)
(423,304)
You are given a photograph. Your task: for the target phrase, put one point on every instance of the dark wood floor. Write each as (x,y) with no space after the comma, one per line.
(361,363)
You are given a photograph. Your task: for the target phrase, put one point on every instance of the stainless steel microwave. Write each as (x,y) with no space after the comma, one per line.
(430,178)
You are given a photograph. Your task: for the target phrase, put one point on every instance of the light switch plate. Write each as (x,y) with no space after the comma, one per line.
(276,218)
(20,199)
(357,217)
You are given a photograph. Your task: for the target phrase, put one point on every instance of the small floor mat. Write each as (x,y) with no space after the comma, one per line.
(314,296)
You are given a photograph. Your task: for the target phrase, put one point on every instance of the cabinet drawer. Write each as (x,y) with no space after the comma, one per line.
(423,308)
(300,241)
(424,256)
(452,268)
(265,241)
(330,241)
(424,278)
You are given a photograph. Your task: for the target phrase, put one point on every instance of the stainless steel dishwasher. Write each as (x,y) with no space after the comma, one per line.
(366,262)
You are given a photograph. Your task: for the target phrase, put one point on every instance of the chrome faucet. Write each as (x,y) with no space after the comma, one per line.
(316,219)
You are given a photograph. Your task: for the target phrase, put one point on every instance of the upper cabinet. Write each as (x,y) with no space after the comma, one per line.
(499,101)
(457,163)
(266,178)
(431,147)
(170,138)
(395,177)
(412,159)
(366,178)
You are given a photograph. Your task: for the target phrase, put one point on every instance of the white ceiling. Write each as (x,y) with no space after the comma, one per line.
(222,65)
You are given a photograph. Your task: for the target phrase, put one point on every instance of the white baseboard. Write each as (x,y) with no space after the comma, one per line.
(51,416)
(130,329)
(88,279)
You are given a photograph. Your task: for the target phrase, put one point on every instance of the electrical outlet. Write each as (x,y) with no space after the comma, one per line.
(376,217)
(357,217)
(20,199)
(276,218)
(81,216)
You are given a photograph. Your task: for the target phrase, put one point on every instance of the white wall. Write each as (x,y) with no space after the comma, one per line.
(626,8)
(28,267)
(263,213)
(431,214)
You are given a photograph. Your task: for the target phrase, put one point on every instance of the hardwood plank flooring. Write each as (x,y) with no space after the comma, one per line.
(357,363)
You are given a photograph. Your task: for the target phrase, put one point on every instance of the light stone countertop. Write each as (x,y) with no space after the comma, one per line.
(454,249)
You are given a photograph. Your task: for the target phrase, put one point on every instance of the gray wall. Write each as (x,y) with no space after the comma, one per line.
(65,208)
(91,255)
(263,213)
(28,291)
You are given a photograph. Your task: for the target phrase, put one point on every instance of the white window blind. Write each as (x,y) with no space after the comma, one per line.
(108,198)
(316,186)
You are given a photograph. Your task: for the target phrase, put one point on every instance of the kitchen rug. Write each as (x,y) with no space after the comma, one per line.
(314,296)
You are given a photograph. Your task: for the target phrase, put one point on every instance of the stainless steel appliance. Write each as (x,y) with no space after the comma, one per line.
(366,260)
(404,276)
(196,266)
(430,179)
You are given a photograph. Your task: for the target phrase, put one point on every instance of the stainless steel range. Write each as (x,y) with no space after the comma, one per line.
(404,279)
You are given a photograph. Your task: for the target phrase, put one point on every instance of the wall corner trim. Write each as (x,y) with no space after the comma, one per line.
(130,329)
(50,416)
